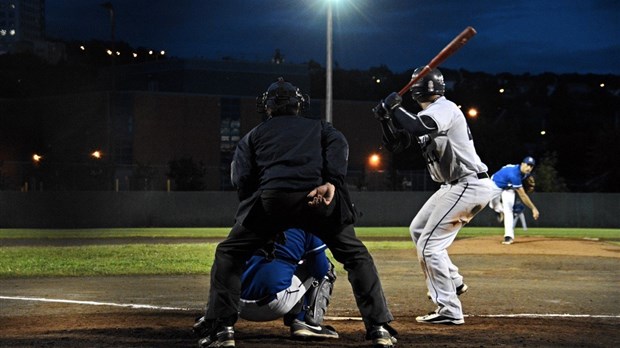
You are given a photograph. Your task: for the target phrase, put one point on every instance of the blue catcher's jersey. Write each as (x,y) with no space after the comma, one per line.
(263,277)
(509,177)
(518,207)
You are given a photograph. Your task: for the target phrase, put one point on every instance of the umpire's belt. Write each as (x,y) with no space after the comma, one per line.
(483,175)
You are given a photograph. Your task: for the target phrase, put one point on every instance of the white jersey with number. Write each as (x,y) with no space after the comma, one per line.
(449,152)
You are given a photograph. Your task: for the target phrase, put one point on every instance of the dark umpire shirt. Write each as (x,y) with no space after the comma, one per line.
(289,153)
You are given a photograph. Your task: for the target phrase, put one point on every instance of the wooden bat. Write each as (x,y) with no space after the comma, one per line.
(447,51)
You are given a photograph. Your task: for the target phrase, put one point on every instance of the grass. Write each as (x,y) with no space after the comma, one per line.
(212,232)
(185,258)
(103,260)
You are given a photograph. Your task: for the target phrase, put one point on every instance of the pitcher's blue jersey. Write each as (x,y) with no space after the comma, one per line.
(508,177)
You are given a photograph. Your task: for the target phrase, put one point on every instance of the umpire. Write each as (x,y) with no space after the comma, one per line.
(290,171)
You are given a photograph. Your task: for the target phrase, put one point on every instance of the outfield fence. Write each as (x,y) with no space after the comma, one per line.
(106,209)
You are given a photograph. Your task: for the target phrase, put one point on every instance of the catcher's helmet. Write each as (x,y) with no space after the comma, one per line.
(430,84)
(529,160)
(282,98)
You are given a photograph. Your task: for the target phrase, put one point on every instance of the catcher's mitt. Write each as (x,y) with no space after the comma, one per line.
(529,184)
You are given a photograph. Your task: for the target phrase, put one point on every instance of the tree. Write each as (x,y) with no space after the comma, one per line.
(547,177)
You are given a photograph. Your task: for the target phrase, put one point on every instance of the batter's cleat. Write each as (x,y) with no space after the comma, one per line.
(382,337)
(223,337)
(436,318)
(507,240)
(303,330)
(460,290)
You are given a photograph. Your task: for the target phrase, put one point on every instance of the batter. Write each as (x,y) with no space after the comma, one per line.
(447,145)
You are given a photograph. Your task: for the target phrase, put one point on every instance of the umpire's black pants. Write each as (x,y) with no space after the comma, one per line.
(278,211)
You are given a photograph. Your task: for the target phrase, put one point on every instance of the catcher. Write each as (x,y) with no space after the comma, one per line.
(511,179)
(295,284)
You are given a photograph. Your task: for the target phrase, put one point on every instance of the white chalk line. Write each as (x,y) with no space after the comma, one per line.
(166,308)
(93,303)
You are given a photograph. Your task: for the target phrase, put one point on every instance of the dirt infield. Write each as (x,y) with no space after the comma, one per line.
(535,293)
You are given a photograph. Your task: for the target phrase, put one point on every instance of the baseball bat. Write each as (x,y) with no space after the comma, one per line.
(447,51)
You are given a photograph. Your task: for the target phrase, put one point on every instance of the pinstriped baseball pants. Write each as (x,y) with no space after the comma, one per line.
(435,227)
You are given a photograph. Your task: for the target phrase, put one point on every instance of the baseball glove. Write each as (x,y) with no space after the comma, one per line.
(529,184)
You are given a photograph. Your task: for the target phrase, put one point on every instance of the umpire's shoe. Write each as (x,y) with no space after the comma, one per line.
(215,334)
(382,336)
(224,336)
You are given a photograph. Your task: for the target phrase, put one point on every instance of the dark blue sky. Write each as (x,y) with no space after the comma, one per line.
(518,36)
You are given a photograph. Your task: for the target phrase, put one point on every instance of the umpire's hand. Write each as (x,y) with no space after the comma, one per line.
(322,195)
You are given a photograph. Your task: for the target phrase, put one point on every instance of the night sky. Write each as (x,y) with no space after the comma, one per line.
(527,36)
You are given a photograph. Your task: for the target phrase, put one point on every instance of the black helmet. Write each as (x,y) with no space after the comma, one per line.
(430,84)
(282,98)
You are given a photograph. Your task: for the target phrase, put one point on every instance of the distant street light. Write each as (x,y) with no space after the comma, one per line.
(472,112)
(374,161)
(37,158)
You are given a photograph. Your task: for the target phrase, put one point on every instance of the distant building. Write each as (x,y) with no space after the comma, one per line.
(154,113)
(22,29)
(22,22)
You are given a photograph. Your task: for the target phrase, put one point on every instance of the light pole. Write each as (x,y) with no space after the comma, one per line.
(111,116)
(108,6)
(328,66)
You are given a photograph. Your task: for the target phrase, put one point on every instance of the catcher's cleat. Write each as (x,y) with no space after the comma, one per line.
(303,330)
(507,240)
(436,318)
(382,336)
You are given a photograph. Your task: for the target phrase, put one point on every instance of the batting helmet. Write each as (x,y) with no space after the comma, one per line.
(282,98)
(430,84)
(529,160)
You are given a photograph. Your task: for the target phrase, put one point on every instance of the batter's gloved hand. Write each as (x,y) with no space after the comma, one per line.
(392,101)
(383,110)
